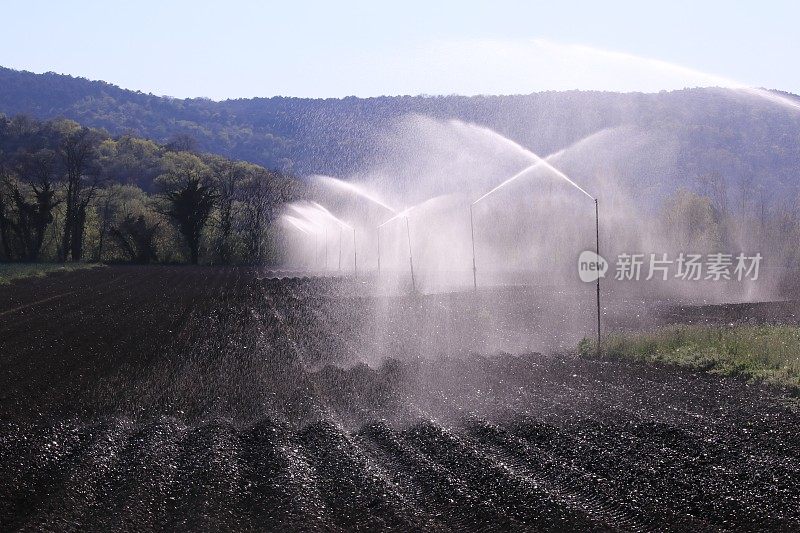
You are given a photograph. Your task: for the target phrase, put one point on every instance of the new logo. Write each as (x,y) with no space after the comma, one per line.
(591,266)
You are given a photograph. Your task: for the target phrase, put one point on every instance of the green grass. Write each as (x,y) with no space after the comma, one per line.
(768,354)
(12,271)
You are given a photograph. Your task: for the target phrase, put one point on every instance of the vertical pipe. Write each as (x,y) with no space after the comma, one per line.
(312,251)
(355,253)
(326,249)
(410,257)
(315,262)
(379,250)
(340,248)
(474,268)
(597,251)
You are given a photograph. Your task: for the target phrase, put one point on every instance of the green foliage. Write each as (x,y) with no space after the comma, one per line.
(67,190)
(585,347)
(693,222)
(768,353)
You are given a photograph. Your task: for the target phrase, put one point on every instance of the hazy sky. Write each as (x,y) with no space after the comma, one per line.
(338,48)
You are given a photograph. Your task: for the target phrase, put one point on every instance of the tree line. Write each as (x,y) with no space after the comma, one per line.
(73,193)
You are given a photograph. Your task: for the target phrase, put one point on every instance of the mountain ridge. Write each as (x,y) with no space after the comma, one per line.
(718,131)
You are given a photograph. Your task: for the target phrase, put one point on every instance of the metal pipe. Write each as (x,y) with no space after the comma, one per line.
(474,268)
(597,251)
(355,253)
(312,250)
(410,257)
(316,249)
(379,250)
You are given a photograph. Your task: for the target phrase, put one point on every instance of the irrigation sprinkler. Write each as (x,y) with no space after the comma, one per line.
(403,214)
(316,249)
(360,192)
(597,251)
(306,228)
(320,210)
(355,254)
(474,268)
(311,216)
(378,230)
(410,256)
(545,163)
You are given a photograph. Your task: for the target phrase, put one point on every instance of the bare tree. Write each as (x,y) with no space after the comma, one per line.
(38,171)
(27,200)
(5,215)
(260,195)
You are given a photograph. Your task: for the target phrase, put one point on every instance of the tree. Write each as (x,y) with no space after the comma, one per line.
(136,238)
(35,210)
(181,142)
(105,220)
(131,160)
(190,197)
(6,223)
(63,188)
(190,207)
(112,205)
(27,200)
(39,168)
(255,216)
(228,176)
(78,154)
(693,223)
(260,195)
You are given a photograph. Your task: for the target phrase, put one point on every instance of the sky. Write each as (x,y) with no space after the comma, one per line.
(236,48)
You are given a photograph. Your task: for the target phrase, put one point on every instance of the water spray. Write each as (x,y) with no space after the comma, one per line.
(472,233)
(355,253)
(312,218)
(307,228)
(403,214)
(355,189)
(539,161)
(378,231)
(363,193)
(319,210)
(544,162)
(410,256)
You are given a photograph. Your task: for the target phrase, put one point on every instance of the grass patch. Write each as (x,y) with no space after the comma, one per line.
(768,353)
(13,271)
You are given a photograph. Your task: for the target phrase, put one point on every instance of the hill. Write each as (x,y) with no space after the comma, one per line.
(747,141)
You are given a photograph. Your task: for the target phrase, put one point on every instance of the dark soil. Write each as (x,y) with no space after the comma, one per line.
(209,399)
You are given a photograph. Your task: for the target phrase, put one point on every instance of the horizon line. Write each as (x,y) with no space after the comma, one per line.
(418,95)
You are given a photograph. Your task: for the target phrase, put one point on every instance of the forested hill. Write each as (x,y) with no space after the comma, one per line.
(717,131)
